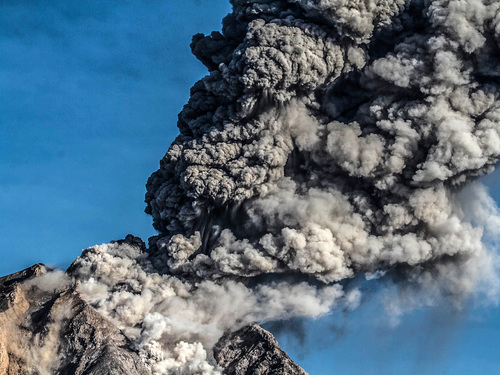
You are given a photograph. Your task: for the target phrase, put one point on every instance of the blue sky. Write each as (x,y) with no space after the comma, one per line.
(89,96)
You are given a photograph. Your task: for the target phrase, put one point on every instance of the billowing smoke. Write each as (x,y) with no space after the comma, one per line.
(330,139)
(172,322)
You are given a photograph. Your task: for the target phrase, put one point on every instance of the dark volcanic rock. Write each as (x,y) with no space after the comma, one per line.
(47,328)
(56,332)
(253,351)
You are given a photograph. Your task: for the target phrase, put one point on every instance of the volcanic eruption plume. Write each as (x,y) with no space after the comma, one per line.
(330,139)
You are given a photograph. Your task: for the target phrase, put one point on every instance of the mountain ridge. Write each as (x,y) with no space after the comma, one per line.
(49,329)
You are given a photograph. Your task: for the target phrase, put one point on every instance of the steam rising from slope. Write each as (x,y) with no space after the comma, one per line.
(173,322)
(330,139)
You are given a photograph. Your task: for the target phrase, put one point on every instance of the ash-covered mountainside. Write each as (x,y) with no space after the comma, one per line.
(46,328)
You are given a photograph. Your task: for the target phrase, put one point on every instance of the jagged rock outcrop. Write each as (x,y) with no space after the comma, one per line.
(47,328)
(253,351)
(44,331)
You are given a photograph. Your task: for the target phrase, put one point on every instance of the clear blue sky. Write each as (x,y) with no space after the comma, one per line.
(89,96)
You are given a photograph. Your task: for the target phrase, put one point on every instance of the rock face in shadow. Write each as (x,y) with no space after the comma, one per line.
(46,332)
(253,351)
(47,328)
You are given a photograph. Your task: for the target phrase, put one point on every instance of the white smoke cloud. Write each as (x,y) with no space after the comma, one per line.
(173,323)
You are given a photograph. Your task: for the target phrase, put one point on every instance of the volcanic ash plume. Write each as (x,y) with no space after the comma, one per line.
(330,139)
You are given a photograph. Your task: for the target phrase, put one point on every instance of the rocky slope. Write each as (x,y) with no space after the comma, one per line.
(44,331)
(254,351)
(47,328)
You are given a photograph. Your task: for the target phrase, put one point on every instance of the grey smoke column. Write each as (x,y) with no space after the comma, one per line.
(331,138)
